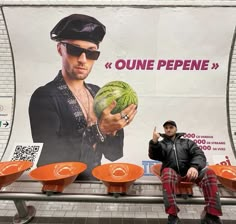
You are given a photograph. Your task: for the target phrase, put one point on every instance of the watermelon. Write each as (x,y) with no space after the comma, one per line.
(119,91)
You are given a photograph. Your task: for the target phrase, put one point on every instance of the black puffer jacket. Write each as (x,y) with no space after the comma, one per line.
(180,154)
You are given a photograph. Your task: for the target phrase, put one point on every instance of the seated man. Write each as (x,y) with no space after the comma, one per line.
(183,159)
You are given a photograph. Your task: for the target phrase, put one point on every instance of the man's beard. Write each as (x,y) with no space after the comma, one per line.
(172,135)
(75,76)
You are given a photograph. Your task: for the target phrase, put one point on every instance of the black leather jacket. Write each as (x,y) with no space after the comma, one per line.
(180,154)
(58,122)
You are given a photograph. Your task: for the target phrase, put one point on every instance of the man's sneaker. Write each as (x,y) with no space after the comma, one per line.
(172,219)
(207,218)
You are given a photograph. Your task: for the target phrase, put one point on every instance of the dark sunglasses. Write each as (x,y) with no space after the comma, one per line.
(77,51)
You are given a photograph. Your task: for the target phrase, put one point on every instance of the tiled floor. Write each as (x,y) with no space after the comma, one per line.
(86,220)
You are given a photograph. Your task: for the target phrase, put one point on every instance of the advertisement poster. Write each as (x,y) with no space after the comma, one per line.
(176,60)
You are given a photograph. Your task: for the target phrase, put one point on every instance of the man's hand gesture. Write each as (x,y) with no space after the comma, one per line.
(155,135)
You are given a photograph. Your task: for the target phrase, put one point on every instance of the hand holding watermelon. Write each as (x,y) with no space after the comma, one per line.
(115,106)
(110,123)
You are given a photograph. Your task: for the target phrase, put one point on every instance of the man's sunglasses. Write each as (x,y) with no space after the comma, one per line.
(77,51)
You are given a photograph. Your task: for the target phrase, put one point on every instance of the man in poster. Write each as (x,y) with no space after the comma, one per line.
(61,112)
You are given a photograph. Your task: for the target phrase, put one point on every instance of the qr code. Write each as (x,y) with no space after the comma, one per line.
(26,151)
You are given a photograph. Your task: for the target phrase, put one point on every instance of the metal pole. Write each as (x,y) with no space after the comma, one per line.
(25,213)
(21,208)
(105,198)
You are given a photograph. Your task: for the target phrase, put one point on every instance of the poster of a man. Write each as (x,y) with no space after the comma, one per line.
(61,112)
(138,50)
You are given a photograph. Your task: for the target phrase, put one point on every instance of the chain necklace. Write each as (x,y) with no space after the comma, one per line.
(85,109)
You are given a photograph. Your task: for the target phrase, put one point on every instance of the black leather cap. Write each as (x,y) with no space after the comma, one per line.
(79,27)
